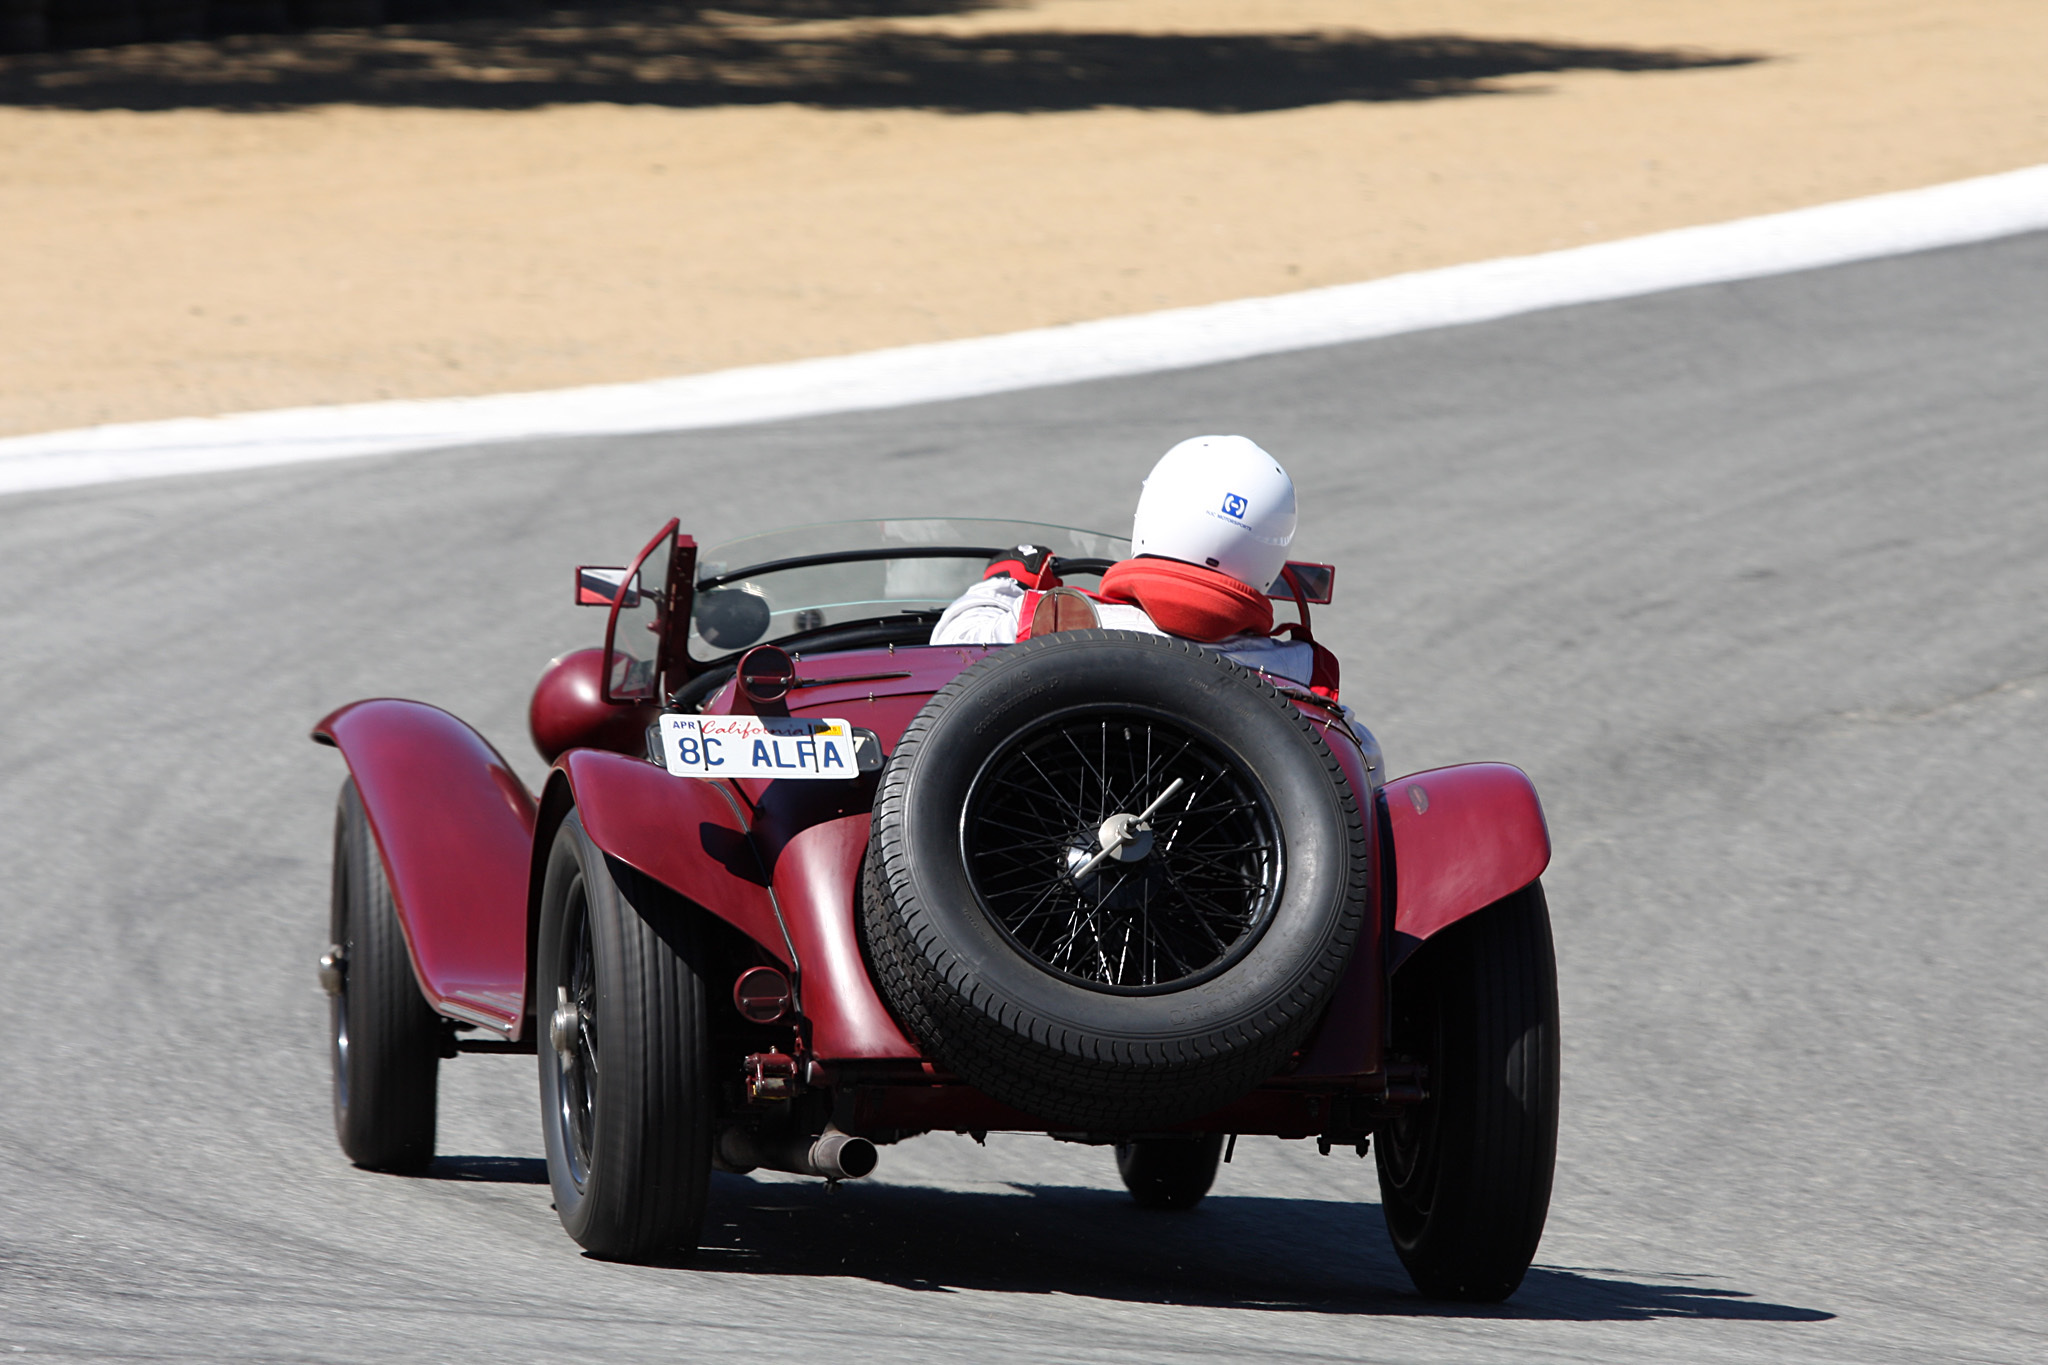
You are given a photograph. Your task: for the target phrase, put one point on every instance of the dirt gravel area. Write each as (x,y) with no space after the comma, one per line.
(553,197)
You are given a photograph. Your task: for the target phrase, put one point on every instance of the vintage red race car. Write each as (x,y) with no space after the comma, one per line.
(801,883)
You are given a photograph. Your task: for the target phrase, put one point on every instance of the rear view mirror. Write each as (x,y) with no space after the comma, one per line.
(633,630)
(600,587)
(1318,582)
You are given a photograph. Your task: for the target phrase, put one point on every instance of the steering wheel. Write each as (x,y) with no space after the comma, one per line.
(1063,566)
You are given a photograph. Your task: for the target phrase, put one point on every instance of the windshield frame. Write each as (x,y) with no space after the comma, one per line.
(887,541)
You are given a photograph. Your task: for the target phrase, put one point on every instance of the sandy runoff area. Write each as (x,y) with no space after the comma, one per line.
(547,197)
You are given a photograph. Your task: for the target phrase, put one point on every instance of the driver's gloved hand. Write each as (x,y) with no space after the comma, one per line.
(1030,565)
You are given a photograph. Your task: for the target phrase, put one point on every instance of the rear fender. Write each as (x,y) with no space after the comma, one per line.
(454,827)
(1463,838)
(812,836)
(686,833)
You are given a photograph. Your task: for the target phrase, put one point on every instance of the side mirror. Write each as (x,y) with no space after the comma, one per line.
(632,661)
(600,587)
(1318,582)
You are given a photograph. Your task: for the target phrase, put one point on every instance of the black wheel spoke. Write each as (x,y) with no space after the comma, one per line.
(1052,789)
(1040,842)
(1152,766)
(1200,918)
(1185,895)
(1165,816)
(580,1069)
(1038,791)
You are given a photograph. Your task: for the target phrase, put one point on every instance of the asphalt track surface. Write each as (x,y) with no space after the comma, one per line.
(1752,579)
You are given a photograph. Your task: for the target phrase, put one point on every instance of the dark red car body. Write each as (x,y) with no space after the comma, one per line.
(463,842)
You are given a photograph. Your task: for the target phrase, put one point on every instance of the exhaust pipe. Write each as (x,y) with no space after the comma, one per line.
(832,1155)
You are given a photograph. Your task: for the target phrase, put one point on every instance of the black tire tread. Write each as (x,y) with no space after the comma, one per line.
(651,1158)
(395,1038)
(1170,1173)
(1497,978)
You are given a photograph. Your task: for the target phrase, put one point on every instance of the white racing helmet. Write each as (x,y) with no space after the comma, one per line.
(1219,501)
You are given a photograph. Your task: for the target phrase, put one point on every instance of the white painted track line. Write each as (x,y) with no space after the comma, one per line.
(1832,234)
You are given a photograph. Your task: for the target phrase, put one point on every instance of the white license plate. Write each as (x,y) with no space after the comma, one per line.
(760,746)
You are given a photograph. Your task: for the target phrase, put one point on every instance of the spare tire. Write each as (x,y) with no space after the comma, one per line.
(1098,985)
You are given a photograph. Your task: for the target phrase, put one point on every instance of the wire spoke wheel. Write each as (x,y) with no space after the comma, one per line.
(337,1000)
(1116,849)
(626,1096)
(1410,1149)
(578,1092)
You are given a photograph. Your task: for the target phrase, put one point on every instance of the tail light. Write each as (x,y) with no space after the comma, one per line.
(762,994)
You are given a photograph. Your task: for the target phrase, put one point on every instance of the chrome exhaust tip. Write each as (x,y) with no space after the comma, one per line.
(842,1156)
(832,1155)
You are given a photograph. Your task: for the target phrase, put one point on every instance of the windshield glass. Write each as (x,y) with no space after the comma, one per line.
(840,572)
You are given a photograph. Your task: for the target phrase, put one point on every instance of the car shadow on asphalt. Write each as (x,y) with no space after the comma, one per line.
(490,1170)
(514,56)
(1234,1251)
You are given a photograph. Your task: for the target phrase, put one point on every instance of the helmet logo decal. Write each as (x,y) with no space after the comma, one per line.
(1233,506)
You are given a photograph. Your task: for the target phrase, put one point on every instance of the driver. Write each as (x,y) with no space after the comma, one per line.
(1214,521)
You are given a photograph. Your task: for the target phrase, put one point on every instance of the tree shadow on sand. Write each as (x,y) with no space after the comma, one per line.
(1235,1251)
(687,56)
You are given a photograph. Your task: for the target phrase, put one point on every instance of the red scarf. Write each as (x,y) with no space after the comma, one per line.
(1188,600)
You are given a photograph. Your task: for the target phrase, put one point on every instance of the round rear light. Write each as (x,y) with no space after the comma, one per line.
(766,673)
(761,994)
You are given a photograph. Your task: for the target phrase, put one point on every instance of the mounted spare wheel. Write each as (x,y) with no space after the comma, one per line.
(1114,879)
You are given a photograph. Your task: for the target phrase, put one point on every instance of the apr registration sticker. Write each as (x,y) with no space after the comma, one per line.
(757,746)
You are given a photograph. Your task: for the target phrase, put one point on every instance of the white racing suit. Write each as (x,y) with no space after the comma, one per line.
(991,613)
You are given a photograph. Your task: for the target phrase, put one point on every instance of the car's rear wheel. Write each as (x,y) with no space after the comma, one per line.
(1113,880)
(625,1088)
(1172,1172)
(1465,1175)
(384,1040)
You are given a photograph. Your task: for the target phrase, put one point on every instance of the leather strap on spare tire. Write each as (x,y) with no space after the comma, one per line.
(1114,879)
